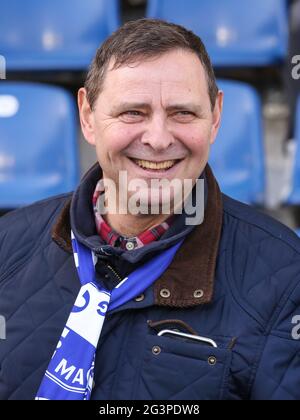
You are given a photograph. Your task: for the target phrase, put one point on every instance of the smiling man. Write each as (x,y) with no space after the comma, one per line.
(129,305)
(153,118)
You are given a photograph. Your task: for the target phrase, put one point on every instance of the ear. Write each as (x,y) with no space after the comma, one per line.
(86,117)
(217,116)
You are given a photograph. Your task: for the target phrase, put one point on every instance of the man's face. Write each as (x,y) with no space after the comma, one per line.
(153,119)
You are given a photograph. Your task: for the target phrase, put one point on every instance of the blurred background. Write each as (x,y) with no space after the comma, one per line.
(46,48)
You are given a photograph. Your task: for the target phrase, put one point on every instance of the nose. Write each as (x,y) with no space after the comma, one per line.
(157,134)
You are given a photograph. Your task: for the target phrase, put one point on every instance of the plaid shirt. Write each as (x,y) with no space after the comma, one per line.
(114,239)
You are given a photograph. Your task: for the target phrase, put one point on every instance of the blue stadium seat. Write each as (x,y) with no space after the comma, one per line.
(38,143)
(235,32)
(237,157)
(295,194)
(54,34)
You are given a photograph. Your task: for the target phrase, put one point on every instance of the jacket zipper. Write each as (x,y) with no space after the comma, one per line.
(115,273)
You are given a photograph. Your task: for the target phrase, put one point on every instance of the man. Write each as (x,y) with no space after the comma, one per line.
(164,309)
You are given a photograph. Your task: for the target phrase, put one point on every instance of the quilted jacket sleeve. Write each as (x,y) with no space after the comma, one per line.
(14,237)
(278,373)
(21,232)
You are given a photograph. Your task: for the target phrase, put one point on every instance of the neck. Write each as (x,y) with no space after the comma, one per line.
(131,226)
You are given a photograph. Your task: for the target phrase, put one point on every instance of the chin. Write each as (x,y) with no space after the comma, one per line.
(153,202)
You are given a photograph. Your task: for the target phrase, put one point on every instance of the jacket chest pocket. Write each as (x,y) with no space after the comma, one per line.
(179,370)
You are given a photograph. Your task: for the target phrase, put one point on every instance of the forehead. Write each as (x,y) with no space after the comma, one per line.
(173,74)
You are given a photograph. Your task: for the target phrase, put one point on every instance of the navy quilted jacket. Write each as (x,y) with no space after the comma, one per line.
(235,280)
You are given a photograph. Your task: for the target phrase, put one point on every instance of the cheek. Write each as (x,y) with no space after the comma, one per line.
(116,138)
(197,141)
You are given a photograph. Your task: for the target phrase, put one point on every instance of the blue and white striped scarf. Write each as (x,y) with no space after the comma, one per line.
(70,374)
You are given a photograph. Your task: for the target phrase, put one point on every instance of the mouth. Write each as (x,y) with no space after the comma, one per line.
(156,166)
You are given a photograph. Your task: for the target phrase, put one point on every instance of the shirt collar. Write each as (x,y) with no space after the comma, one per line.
(113,238)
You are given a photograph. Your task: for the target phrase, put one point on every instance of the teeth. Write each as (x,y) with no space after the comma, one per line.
(145,164)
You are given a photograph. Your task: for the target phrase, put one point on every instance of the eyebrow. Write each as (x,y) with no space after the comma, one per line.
(130,105)
(196,108)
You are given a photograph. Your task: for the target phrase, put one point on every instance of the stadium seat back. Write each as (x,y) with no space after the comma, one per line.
(38,143)
(295,194)
(237,156)
(54,34)
(235,32)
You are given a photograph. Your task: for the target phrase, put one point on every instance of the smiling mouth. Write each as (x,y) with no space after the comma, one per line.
(156,166)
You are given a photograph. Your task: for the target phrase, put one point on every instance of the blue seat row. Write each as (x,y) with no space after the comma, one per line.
(38,143)
(58,35)
(54,34)
(236,33)
(237,157)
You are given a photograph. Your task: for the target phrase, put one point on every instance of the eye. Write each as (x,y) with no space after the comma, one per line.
(184,116)
(185,113)
(132,116)
(133,113)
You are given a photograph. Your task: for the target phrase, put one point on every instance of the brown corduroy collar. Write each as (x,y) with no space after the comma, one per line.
(189,280)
